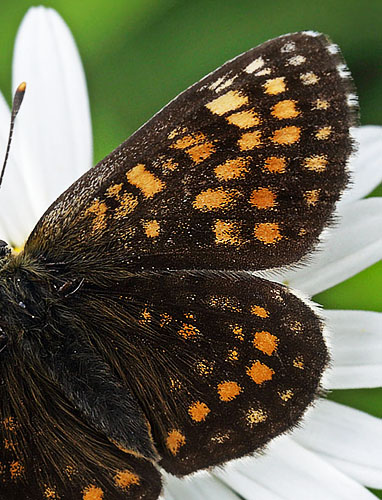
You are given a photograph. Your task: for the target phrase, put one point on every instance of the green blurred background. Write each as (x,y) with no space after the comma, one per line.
(138,54)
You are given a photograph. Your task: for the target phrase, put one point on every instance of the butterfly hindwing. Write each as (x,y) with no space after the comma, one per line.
(226,361)
(241,171)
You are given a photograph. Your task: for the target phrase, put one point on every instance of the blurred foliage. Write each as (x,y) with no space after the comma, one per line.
(138,54)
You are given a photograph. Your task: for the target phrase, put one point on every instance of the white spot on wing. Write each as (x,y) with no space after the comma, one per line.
(216,84)
(288,47)
(226,84)
(255,65)
(333,49)
(311,33)
(352,100)
(297,60)
(222,83)
(343,71)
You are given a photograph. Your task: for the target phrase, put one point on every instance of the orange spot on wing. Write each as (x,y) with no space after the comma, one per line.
(145,316)
(323,133)
(265,342)
(114,190)
(151,228)
(127,204)
(177,131)
(175,440)
(51,494)
(260,372)
(263,198)
(256,416)
(228,390)
(201,152)
(232,169)
(285,109)
(244,119)
(233,355)
(144,180)
(275,164)
(198,411)
(275,86)
(250,140)
(298,362)
(169,164)
(165,319)
(10,424)
(196,145)
(204,367)
(187,141)
(227,233)
(287,135)
(98,210)
(227,102)
(268,232)
(316,163)
(238,331)
(187,331)
(91,492)
(125,478)
(286,395)
(212,199)
(259,311)
(70,472)
(16,470)
(312,197)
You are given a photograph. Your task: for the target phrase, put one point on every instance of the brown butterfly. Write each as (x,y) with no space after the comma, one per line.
(132,335)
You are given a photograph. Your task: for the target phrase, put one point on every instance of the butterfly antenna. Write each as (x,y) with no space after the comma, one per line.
(17,100)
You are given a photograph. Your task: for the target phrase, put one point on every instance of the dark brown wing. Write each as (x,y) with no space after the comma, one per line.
(220,362)
(48,452)
(241,171)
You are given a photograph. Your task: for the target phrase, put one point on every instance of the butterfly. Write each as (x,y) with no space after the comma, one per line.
(136,330)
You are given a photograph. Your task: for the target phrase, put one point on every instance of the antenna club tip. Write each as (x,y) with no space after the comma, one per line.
(21,87)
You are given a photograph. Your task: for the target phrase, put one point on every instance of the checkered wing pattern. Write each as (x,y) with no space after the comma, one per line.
(241,171)
(145,258)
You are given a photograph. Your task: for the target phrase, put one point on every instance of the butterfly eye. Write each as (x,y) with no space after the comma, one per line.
(3,340)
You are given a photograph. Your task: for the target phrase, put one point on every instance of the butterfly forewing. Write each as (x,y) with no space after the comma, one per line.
(241,171)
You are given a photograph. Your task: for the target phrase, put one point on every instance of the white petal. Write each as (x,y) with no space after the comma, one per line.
(349,439)
(199,486)
(356,349)
(15,206)
(290,472)
(351,246)
(53,129)
(245,484)
(366,166)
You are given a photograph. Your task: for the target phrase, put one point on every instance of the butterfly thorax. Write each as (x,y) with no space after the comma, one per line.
(24,296)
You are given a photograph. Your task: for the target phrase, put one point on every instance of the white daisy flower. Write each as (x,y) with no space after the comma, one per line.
(338,450)
(52,144)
